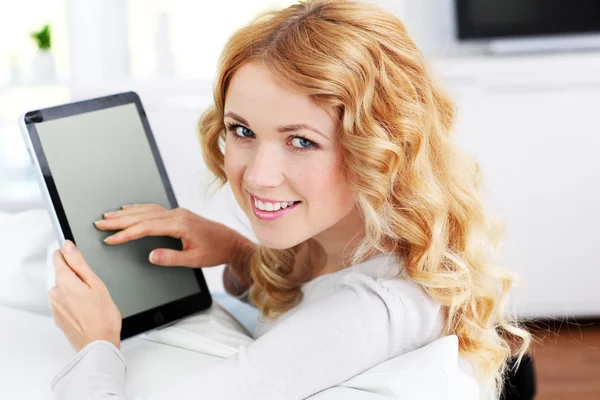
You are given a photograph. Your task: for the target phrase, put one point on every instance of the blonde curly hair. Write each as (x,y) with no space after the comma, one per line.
(414,187)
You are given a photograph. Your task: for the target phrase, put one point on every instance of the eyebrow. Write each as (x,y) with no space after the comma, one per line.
(280,129)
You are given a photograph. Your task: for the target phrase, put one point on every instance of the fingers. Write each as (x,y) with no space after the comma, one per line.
(159,227)
(133,209)
(172,258)
(126,220)
(73,257)
(139,205)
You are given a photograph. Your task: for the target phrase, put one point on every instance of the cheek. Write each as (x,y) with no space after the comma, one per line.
(340,194)
(231,159)
(234,167)
(328,188)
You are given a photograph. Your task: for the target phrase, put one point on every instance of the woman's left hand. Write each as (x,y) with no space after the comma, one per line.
(80,302)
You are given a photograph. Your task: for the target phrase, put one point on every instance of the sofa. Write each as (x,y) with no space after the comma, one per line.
(33,349)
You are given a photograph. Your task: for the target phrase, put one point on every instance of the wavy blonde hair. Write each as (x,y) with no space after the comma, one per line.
(414,187)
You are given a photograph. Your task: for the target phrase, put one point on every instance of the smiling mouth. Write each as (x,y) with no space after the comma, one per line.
(274,214)
(272,206)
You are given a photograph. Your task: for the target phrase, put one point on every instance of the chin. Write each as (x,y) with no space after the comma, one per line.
(277,242)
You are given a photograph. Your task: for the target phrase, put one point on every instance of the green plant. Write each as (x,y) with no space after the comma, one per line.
(43,38)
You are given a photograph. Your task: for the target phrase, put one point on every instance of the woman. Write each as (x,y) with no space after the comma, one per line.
(373,241)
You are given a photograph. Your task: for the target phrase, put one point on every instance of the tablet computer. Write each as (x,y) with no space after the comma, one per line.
(95,156)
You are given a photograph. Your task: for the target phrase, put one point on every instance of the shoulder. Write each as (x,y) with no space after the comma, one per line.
(397,291)
(409,310)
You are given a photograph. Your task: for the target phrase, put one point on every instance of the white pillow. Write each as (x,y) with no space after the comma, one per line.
(24,241)
(430,373)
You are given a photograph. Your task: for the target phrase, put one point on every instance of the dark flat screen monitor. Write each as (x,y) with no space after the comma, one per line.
(487,19)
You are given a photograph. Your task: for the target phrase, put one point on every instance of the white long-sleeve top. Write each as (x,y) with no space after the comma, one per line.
(347,322)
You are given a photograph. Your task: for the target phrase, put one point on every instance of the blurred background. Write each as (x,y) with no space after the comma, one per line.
(525,75)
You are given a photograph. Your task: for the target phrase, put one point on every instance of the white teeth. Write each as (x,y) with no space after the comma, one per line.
(266,206)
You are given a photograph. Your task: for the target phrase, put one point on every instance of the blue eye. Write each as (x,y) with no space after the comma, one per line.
(298,142)
(241,131)
(302,142)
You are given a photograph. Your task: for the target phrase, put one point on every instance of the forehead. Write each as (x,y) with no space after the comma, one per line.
(257,97)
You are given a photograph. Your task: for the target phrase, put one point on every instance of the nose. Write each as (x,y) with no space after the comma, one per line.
(264,169)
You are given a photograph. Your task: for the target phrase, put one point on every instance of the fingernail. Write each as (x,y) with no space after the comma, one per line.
(69,246)
(126,205)
(98,222)
(110,214)
(108,239)
(150,256)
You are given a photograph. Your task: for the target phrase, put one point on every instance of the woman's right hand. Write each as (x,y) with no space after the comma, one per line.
(206,243)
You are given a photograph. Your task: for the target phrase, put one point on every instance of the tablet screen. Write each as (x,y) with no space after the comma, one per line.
(99,161)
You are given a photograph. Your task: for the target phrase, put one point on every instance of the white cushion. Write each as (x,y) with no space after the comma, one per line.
(24,241)
(34,350)
(430,373)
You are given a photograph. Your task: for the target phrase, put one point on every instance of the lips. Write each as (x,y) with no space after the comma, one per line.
(271,215)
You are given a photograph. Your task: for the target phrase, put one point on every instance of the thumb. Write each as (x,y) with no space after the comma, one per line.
(75,260)
(171,258)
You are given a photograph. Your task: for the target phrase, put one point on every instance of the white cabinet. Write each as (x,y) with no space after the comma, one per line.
(541,159)
(535,128)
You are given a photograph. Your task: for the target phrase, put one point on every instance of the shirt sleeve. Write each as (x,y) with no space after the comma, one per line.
(358,326)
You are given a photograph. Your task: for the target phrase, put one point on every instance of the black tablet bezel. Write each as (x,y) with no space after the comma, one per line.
(154,317)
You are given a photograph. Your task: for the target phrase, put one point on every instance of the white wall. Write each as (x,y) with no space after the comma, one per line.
(431,23)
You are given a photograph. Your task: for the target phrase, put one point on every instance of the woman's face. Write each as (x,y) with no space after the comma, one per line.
(283,160)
